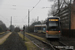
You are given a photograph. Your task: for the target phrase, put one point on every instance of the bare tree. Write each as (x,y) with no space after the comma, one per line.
(62,4)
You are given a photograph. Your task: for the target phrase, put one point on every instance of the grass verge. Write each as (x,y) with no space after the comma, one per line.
(3,39)
(40,38)
(28,43)
(2,33)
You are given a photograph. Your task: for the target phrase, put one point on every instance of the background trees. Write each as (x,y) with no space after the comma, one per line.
(62,4)
(2,27)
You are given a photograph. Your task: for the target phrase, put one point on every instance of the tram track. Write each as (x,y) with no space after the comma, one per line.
(54,45)
(41,44)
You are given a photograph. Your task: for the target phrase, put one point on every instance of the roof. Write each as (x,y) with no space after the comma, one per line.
(40,25)
(53,17)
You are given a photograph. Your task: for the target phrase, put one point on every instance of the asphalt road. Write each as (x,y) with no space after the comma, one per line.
(14,42)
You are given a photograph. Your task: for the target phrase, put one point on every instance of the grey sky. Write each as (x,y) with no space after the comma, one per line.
(18,9)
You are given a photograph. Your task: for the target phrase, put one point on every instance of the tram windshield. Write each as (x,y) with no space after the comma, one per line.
(37,28)
(53,24)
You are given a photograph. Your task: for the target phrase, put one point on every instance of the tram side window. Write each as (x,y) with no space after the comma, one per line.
(44,29)
(35,28)
(39,28)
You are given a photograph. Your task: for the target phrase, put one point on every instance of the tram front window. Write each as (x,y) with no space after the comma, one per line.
(53,24)
(37,28)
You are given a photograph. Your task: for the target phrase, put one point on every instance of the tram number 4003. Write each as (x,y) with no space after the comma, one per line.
(65,47)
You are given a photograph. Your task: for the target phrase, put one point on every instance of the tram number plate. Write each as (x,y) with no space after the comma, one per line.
(65,47)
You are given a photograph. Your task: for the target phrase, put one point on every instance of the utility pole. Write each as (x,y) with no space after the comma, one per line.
(70,18)
(28,19)
(11,24)
(11,20)
(37,18)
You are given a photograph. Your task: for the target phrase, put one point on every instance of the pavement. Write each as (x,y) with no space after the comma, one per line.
(14,42)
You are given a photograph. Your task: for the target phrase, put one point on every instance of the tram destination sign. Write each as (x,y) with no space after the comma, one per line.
(53,19)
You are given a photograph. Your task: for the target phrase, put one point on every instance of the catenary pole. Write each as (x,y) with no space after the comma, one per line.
(70,18)
(28,19)
(11,24)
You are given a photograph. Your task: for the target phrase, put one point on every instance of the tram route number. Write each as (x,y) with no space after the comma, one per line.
(65,47)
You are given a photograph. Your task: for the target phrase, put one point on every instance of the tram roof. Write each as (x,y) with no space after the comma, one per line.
(40,25)
(53,17)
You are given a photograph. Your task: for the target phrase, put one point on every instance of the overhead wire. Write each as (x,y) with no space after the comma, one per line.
(35,5)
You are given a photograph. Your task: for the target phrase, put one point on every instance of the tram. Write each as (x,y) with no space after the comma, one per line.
(53,27)
(40,28)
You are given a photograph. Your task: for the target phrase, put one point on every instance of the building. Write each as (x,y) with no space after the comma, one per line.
(67,18)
